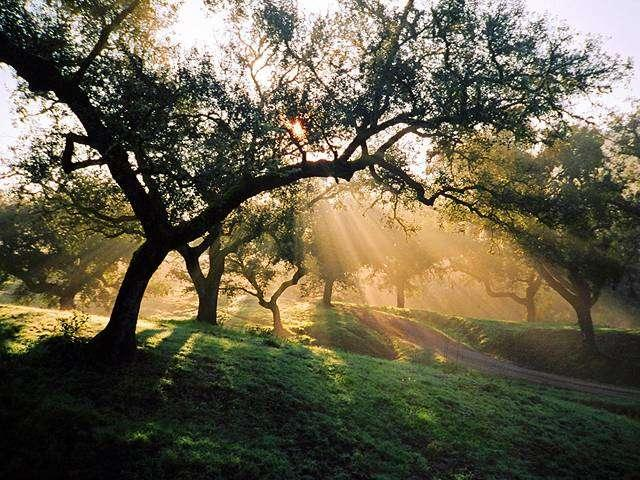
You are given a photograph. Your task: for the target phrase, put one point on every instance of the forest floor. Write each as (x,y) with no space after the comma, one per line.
(219,402)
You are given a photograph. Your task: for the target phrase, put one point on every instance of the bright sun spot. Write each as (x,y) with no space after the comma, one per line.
(296,128)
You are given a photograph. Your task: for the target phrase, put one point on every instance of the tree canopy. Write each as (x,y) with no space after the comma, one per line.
(55,254)
(188,137)
(566,207)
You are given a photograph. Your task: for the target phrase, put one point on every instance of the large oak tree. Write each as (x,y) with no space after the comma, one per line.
(188,138)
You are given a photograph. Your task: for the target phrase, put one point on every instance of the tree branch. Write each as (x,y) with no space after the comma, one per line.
(68,165)
(102,40)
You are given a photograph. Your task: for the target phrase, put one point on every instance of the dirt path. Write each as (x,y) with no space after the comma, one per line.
(432,340)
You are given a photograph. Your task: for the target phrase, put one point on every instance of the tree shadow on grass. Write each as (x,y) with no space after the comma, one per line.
(64,415)
(233,405)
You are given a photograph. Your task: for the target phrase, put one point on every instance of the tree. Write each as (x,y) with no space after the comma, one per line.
(262,263)
(54,254)
(254,218)
(218,246)
(565,208)
(187,139)
(503,272)
(405,260)
(334,263)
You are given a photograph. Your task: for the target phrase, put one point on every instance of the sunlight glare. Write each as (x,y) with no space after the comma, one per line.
(296,128)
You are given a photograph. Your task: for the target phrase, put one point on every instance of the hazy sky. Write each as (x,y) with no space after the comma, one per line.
(617,21)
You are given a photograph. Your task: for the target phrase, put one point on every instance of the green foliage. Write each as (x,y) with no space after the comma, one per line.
(72,327)
(187,137)
(54,252)
(198,406)
(565,207)
(200,127)
(278,248)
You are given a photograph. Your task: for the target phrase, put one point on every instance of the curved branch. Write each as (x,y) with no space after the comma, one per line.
(297,275)
(68,165)
(44,75)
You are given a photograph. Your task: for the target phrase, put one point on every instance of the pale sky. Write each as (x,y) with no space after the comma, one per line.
(616,21)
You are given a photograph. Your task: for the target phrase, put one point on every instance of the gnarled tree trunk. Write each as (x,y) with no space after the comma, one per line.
(117,342)
(207,286)
(209,292)
(278,327)
(581,295)
(532,314)
(533,286)
(583,313)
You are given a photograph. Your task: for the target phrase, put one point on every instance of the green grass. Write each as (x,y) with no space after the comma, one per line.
(550,347)
(314,324)
(206,402)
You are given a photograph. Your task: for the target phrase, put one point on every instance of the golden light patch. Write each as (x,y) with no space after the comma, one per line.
(296,128)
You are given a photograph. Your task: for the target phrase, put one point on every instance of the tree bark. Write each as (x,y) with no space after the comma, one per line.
(117,342)
(533,287)
(400,295)
(207,311)
(327,294)
(580,295)
(278,327)
(532,314)
(209,292)
(68,301)
(583,312)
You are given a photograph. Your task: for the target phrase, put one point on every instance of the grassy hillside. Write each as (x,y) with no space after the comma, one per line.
(544,346)
(218,403)
(549,347)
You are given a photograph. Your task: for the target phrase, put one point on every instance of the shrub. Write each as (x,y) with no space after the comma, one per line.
(70,327)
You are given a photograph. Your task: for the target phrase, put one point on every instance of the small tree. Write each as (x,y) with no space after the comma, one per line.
(334,263)
(404,259)
(260,264)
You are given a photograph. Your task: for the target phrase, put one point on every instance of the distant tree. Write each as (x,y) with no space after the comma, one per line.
(334,264)
(261,264)
(188,138)
(405,264)
(55,254)
(565,208)
(503,272)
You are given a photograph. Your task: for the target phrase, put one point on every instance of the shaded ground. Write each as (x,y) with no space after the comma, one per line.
(205,402)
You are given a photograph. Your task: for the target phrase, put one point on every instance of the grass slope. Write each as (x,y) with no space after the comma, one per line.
(218,403)
(549,347)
